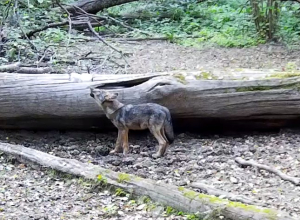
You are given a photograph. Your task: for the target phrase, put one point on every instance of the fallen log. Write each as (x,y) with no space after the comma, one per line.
(196,100)
(169,195)
(94,6)
(222,194)
(16,67)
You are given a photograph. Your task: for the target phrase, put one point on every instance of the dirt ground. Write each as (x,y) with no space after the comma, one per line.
(157,56)
(192,158)
(30,192)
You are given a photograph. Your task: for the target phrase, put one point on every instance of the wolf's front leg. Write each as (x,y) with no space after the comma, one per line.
(125,141)
(118,147)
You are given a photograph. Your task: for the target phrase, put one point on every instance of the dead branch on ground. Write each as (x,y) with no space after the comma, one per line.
(153,38)
(166,194)
(10,67)
(16,67)
(53,25)
(294,180)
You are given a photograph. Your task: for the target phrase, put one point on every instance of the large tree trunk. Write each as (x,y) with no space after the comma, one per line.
(169,195)
(48,101)
(94,6)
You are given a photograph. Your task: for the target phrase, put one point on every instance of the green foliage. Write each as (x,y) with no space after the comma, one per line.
(227,23)
(120,192)
(224,23)
(123,177)
(289,23)
(25,17)
(110,210)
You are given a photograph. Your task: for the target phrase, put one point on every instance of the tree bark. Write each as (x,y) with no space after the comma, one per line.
(94,6)
(179,198)
(50,101)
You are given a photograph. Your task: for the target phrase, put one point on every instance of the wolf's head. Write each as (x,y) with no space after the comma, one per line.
(101,96)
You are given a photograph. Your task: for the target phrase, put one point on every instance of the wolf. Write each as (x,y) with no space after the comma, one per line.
(150,116)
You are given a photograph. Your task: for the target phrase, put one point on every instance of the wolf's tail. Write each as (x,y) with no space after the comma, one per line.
(168,127)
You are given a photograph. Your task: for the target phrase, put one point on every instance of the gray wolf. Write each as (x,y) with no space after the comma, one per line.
(150,116)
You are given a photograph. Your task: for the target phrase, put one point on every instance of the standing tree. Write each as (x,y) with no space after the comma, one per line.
(265,14)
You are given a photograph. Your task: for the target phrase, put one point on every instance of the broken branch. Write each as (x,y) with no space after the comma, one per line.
(10,67)
(53,25)
(294,180)
(16,67)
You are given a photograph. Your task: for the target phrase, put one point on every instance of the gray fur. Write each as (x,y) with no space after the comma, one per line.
(150,116)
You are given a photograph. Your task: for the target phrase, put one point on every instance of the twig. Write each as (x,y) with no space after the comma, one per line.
(152,38)
(294,180)
(103,41)
(108,18)
(53,25)
(43,56)
(216,192)
(24,34)
(95,33)
(124,25)
(69,19)
(86,13)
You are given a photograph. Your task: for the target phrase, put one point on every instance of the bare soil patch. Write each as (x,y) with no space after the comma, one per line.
(157,56)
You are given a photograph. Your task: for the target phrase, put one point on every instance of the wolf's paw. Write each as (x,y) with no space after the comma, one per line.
(156,155)
(125,151)
(112,152)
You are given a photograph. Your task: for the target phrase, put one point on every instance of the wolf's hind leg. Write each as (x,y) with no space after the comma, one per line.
(162,131)
(119,143)
(155,130)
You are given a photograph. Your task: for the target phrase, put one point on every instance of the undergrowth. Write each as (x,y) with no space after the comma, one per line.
(227,23)
(22,17)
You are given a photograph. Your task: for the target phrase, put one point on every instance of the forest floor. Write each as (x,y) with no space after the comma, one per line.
(159,56)
(32,192)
